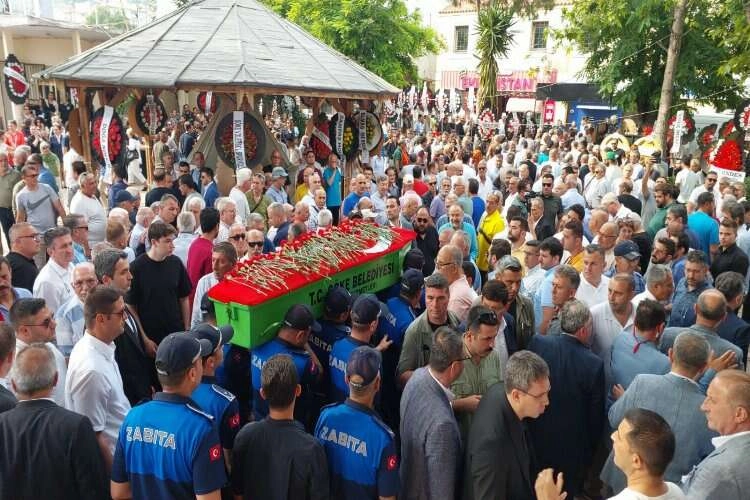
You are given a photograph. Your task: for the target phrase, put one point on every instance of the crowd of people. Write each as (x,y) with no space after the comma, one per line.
(570,322)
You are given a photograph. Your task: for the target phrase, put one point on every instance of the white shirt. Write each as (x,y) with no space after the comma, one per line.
(501,347)
(68,159)
(94,387)
(94,212)
(205,283)
(448,393)
(722,440)
(240,200)
(533,280)
(53,284)
(687,180)
(591,295)
(223,233)
(673,493)
(58,394)
(182,245)
(604,330)
(646,294)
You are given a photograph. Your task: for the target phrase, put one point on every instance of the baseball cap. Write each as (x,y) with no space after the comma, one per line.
(363,366)
(338,300)
(627,249)
(414,259)
(123,196)
(366,309)
(412,281)
(178,351)
(244,175)
(300,317)
(218,336)
(278,172)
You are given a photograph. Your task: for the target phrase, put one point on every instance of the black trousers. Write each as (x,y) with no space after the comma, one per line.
(6,221)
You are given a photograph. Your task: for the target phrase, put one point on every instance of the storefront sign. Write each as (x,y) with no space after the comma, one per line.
(549,111)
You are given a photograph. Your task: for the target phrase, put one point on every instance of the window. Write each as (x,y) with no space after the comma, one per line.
(539,35)
(462,38)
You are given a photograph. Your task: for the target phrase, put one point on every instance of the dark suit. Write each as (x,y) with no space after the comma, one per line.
(567,433)
(736,331)
(544,230)
(49,452)
(7,400)
(137,369)
(499,460)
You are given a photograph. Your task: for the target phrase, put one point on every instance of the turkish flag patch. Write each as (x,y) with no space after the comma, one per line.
(234,420)
(215,453)
(391,463)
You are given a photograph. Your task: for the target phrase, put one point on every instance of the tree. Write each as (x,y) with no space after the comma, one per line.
(626,47)
(381,35)
(733,34)
(111,19)
(495,38)
(521,8)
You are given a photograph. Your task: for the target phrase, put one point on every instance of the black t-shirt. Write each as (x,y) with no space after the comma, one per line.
(156,291)
(429,245)
(278,460)
(156,194)
(23,270)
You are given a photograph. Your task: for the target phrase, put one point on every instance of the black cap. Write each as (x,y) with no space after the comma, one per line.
(363,366)
(178,351)
(300,317)
(123,196)
(207,307)
(366,309)
(414,259)
(218,336)
(627,249)
(338,300)
(412,281)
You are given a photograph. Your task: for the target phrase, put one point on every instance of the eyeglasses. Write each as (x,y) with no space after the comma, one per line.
(546,184)
(82,227)
(537,396)
(255,243)
(432,183)
(237,237)
(90,282)
(441,265)
(32,236)
(46,323)
(120,313)
(710,179)
(422,220)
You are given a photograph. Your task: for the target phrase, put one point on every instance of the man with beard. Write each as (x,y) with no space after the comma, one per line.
(664,198)
(427,239)
(491,223)
(521,309)
(134,351)
(437,206)
(688,289)
(517,230)
(456,222)
(663,252)
(553,208)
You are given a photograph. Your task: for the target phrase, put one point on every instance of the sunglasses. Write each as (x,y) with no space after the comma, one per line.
(546,184)
(255,243)
(237,237)
(44,323)
(420,219)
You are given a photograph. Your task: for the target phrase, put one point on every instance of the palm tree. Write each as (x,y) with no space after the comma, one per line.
(493,27)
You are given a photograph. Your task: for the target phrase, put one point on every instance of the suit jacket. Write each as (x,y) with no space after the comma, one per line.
(7,400)
(723,474)
(499,458)
(49,452)
(137,370)
(430,441)
(736,331)
(569,430)
(678,401)
(544,230)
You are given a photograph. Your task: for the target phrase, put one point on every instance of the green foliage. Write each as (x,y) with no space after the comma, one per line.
(525,8)
(626,44)
(111,19)
(732,33)
(495,39)
(381,35)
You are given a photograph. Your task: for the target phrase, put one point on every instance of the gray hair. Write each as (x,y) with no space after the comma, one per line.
(255,218)
(574,316)
(464,236)
(85,177)
(523,369)
(325,218)
(691,351)
(657,273)
(196,200)
(105,262)
(224,202)
(447,347)
(186,222)
(50,235)
(436,280)
(34,369)
(276,208)
(454,253)
(569,273)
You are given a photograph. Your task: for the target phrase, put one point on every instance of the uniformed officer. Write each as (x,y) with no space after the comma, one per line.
(212,398)
(336,308)
(365,315)
(360,448)
(169,448)
(292,339)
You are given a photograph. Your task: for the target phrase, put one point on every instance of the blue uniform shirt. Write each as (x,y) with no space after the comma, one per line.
(322,342)
(169,448)
(361,453)
(404,315)
(307,371)
(223,406)
(340,353)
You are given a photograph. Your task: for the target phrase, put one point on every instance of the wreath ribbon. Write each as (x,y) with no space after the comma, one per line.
(322,137)
(11,73)
(238,138)
(363,137)
(207,102)
(340,135)
(104,135)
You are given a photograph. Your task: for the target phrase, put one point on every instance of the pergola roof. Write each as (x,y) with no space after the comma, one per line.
(229,45)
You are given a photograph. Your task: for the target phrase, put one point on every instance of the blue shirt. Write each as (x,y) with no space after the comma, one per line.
(638,281)
(706,228)
(683,313)
(19,293)
(210,194)
(543,297)
(404,315)
(223,406)
(169,448)
(307,372)
(478,209)
(468,228)
(333,192)
(632,355)
(340,353)
(46,177)
(79,254)
(350,202)
(322,342)
(678,270)
(361,453)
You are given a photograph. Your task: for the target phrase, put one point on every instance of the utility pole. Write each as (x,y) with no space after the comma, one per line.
(667,85)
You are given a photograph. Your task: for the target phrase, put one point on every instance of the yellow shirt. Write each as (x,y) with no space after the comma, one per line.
(300,192)
(490,226)
(576,261)
(519,254)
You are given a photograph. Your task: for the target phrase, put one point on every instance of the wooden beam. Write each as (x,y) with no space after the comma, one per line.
(121,95)
(83,115)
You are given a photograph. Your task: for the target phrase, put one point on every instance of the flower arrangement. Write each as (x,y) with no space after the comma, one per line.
(487,124)
(319,137)
(202,102)
(688,128)
(150,114)
(726,154)
(349,139)
(742,116)
(726,129)
(253,141)
(115,137)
